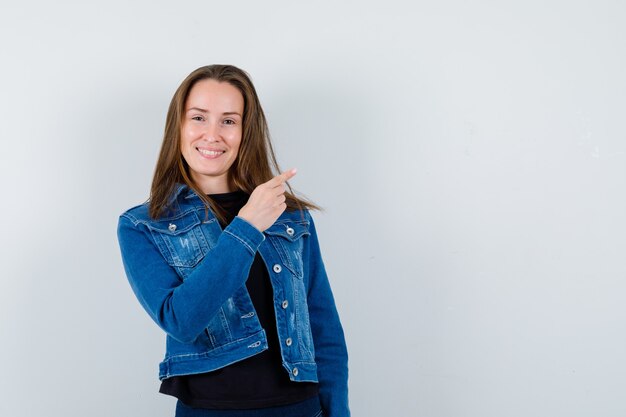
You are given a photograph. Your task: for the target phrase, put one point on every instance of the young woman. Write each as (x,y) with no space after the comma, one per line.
(225,259)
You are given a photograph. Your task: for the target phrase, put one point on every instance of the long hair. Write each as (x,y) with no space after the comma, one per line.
(255,162)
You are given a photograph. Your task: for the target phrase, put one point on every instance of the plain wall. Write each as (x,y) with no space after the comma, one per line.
(471,158)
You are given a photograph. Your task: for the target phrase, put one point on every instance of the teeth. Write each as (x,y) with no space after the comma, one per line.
(210,153)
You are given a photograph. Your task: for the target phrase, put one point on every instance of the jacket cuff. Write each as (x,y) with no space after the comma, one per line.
(245,233)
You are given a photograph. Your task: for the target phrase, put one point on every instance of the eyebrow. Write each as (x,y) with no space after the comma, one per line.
(228,113)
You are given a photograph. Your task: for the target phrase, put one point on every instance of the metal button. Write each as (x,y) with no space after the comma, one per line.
(285,303)
(295,371)
(172,227)
(288,341)
(290,231)
(277,268)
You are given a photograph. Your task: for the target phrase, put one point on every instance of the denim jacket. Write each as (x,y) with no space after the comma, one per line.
(189,275)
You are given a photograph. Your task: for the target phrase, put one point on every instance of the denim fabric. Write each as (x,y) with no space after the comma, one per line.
(307,408)
(189,275)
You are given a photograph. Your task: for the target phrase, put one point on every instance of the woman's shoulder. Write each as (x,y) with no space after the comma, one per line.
(181,199)
(138,213)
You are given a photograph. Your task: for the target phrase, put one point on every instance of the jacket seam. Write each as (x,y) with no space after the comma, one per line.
(243,242)
(133,219)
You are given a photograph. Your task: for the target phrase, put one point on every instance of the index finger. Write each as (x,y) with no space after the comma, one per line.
(281,178)
(290,173)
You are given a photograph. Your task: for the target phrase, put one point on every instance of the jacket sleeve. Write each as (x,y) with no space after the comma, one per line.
(331,355)
(183,309)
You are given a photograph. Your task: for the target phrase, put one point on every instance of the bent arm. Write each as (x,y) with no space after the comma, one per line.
(183,309)
(331,354)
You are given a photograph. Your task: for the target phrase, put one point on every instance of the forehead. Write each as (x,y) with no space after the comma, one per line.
(213,95)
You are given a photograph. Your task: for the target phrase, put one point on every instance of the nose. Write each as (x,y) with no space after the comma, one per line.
(211,131)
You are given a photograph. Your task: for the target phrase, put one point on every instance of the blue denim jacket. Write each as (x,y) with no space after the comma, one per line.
(189,275)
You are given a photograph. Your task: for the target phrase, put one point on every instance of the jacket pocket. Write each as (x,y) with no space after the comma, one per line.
(286,238)
(180,239)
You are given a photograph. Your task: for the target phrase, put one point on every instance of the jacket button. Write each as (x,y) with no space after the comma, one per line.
(285,304)
(295,371)
(171,227)
(288,341)
(277,268)
(290,231)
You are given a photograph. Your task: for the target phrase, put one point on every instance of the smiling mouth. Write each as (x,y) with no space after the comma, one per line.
(210,153)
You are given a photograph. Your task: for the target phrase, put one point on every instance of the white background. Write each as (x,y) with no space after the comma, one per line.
(471,157)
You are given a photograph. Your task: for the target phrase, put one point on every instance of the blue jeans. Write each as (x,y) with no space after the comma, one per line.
(306,408)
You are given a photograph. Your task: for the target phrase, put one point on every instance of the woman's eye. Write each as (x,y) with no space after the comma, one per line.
(197,118)
(229,121)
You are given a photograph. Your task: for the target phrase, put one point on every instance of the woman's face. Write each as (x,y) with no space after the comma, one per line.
(211,133)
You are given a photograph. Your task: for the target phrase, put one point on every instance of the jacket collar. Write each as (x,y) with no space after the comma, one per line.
(183,191)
